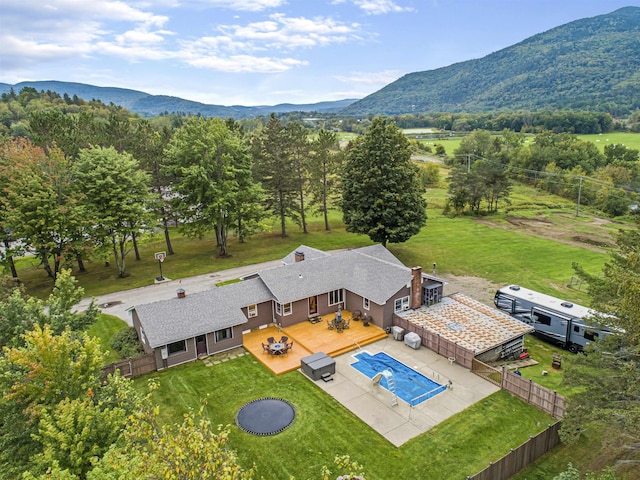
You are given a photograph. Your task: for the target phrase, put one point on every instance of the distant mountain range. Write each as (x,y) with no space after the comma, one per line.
(590,64)
(150,105)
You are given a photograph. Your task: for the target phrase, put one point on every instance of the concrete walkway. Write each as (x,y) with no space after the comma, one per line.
(118,303)
(400,423)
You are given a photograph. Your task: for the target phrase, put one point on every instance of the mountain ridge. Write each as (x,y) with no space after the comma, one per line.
(588,64)
(146,104)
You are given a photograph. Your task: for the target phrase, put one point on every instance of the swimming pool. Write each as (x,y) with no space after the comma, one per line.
(411,386)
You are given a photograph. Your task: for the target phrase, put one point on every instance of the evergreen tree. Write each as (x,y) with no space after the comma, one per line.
(381,195)
(325,161)
(275,169)
(607,376)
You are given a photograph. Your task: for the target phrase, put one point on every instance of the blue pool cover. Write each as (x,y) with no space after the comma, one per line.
(411,386)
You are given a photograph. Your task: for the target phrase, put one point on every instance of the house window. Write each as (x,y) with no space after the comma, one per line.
(252,311)
(223,334)
(365,303)
(177,347)
(336,296)
(401,304)
(284,308)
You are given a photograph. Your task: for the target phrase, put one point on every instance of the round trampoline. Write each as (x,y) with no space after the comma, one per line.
(265,416)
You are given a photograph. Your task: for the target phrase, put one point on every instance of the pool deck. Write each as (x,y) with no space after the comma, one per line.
(400,423)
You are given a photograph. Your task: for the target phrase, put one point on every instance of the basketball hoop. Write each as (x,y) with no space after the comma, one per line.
(160,256)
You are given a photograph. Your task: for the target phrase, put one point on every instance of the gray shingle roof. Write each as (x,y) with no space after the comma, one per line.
(310,253)
(168,321)
(368,272)
(372,272)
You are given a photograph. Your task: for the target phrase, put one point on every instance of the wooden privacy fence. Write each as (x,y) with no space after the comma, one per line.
(546,400)
(520,457)
(438,344)
(132,367)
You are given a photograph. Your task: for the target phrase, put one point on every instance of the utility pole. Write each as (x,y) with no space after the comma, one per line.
(579,193)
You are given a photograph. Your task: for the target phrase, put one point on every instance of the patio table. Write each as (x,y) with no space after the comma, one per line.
(277,348)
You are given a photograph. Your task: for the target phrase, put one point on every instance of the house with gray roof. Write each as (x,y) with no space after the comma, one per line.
(309,282)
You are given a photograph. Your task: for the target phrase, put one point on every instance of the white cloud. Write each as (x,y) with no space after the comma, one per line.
(238,48)
(247,5)
(378,7)
(288,33)
(245,63)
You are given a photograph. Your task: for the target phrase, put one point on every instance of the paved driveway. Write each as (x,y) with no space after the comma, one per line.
(118,303)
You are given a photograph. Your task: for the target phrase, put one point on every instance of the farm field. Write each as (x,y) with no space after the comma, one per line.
(628,139)
(631,140)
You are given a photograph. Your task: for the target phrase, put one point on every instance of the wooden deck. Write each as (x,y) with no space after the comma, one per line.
(310,338)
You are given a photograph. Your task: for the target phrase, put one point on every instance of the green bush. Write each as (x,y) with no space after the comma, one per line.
(126,343)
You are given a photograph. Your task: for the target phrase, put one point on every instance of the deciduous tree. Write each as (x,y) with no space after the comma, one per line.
(42,202)
(118,199)
(213,178)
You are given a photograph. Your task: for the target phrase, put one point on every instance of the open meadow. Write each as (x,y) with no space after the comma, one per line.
(533,242)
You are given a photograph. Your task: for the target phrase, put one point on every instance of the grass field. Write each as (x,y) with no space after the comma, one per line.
(631,140)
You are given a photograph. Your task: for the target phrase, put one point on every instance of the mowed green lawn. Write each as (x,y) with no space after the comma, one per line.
(460,446)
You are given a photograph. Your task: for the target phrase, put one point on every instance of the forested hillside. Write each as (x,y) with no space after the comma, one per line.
(590,64)
(148,105)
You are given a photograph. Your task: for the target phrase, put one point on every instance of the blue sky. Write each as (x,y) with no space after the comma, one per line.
(263,52)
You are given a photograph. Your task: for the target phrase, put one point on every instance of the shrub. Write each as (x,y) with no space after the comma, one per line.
(126,343)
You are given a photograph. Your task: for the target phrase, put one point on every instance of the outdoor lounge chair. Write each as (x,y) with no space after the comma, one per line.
(271,340)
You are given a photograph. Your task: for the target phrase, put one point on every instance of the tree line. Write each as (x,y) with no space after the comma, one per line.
(485,165)
(86,185)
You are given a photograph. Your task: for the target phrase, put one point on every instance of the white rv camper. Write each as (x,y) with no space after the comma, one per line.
(556,320)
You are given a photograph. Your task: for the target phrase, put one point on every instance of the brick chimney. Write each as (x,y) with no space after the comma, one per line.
(299,256)
(416,287)
(181,293)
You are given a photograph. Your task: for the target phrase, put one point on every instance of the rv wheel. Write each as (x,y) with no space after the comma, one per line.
(573,348)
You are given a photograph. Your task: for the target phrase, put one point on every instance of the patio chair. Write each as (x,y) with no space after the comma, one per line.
(284,339)
(265,348)
(345,323)
(271,340)
(331,324)
(357,315)
(290,346)
(365,320)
